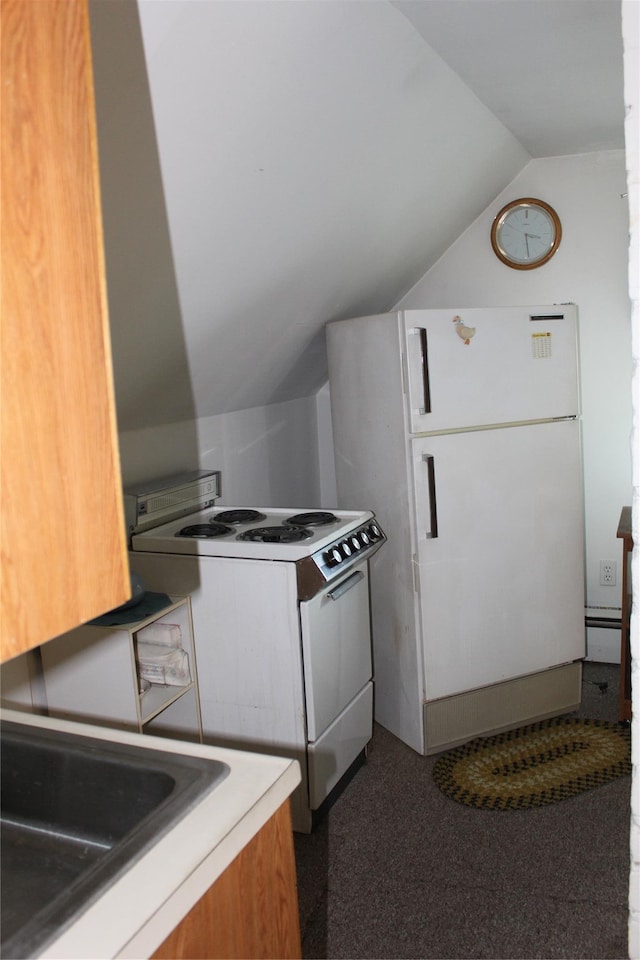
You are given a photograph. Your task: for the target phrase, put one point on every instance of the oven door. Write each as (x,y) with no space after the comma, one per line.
(336,648)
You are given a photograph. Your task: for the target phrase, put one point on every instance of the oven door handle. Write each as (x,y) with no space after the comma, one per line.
(346,585)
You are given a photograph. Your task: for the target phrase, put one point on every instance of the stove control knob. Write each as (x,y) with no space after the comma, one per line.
(355,543)
(333,557)
(364,538)
(345,547)
(374,532)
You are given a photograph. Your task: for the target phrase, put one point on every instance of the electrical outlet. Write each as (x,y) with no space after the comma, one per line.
(608,573)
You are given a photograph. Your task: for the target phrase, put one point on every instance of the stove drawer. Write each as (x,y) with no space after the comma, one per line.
(333,753)
(336,648)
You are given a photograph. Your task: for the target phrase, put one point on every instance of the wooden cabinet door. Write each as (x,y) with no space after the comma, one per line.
(63,540)
(251,911)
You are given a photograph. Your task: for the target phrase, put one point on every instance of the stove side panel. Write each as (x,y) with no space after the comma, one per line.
(247,642)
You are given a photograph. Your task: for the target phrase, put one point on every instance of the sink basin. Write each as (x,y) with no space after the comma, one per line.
(76,813)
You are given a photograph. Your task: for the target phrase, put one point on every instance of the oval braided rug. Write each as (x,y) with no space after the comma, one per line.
(535,765)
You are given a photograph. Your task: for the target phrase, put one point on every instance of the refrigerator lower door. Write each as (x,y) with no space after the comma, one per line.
(499,517)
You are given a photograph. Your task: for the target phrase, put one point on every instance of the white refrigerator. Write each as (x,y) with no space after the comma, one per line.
(461,430)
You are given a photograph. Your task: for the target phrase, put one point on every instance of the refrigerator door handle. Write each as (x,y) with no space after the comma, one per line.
(424,367)
(424,363)
(433,509)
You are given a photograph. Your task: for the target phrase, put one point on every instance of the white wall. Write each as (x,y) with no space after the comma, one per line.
(590,269)
(326,461)
(268,455)
(266,167)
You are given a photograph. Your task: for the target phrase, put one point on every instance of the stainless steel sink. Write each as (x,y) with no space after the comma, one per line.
(76,813)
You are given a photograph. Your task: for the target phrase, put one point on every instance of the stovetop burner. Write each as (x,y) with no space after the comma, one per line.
(239,516)
(205,531)
(283,534)
(316,518)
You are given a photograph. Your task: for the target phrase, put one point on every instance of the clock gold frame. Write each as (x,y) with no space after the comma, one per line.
(501,216)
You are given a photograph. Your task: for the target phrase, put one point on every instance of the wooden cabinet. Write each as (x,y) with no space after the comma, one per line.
(63,546)
(91,674)
(624,533)
(251,911)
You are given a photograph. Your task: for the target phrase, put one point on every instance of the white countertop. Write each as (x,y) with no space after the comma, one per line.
(135,915)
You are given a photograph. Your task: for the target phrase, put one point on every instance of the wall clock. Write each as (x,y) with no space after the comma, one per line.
(526,233)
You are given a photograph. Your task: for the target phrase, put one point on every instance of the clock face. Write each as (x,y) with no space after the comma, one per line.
(525,234)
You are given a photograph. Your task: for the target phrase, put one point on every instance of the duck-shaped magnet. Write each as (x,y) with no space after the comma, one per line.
(465,333)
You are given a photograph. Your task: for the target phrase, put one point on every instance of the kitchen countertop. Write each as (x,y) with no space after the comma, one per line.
(135,915)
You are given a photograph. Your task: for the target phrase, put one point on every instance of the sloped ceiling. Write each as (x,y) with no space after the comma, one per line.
(267,167)
(550,70)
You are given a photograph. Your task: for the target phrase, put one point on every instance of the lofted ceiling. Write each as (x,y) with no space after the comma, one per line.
(270,166)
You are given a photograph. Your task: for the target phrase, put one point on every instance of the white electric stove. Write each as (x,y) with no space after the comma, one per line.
(280,604)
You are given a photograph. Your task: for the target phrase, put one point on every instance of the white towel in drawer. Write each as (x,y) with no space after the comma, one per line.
(164,665)
(164,634)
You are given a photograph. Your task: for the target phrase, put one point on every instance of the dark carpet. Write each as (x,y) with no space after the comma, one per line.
(399,870)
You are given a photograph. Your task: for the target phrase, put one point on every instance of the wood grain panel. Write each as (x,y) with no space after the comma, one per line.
(252,909)
(63,541)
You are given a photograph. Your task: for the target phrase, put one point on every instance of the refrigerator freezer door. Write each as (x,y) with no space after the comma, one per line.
(500,552)
(493,365)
